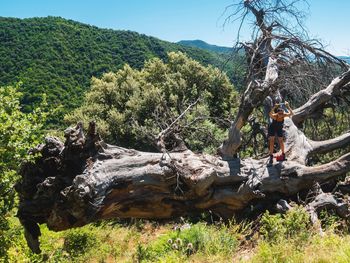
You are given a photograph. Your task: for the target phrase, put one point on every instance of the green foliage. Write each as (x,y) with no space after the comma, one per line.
(295,223)
(327,248)
(59,57)
(77,242)
(330,220)
(130,106)
(150,242)
(192,239)
(18,133)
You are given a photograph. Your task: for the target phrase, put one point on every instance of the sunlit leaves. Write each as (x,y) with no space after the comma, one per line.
(130,106)
(18,133)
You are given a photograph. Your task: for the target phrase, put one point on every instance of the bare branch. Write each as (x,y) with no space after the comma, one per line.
(330,145)
(321,97)
(160,137)
(251,98)
(326,201)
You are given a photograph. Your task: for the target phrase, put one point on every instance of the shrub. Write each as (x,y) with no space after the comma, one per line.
(295,223)
(18,133)
(132,106)
(77,242)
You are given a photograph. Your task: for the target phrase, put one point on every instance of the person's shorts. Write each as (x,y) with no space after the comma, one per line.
(273,131)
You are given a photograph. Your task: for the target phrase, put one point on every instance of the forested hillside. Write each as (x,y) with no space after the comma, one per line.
(58,57)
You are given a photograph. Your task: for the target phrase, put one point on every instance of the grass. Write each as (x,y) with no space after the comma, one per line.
(328,248)
(279,238)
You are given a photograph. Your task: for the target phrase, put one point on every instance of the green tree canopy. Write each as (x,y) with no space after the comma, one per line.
(130,106)
(18,133)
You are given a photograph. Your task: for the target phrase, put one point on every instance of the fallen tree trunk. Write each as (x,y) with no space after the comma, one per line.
(85,180)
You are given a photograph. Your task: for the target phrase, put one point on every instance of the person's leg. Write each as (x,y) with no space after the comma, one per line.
(271,146)
(280,140)
(271,136)
(281,143)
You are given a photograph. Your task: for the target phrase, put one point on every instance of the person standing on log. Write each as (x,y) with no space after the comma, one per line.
(276,128)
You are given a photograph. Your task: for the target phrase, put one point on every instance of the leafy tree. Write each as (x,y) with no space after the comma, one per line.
(132,106)
(18,133)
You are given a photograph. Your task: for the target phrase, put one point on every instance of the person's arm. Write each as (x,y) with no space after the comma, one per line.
(272,113)
(290,112)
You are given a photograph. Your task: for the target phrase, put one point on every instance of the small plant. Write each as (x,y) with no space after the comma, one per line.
(141,253)
(78,242)
(272,227)
(329,220)
(295,223)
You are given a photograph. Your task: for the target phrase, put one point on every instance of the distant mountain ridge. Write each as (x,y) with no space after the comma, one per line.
(58,57)
(222,49)
(204,45)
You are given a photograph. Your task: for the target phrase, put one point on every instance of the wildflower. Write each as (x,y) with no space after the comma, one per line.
(190,246)
(178,241)
(189,249)
(174,246)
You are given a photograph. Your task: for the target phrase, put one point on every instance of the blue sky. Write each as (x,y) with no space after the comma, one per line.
(175,20)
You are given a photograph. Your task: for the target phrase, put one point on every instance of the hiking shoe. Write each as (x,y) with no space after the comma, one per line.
(284,157)
(281,157)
